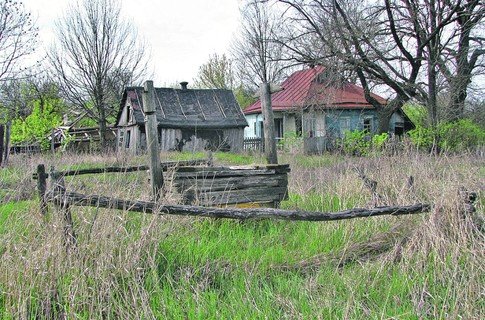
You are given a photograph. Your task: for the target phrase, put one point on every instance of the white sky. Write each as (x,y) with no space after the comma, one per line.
(181,34)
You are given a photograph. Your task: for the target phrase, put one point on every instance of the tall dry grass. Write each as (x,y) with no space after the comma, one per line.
(135,266)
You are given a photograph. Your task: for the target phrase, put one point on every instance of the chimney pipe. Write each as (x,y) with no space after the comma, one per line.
(184,84)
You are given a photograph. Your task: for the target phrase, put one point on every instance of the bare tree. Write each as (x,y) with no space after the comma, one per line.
(257,57)
(217,73)
(463,54)
(18,35)
(401,45)
(97,53)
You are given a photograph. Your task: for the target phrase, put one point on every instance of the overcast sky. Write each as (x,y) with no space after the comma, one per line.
(181,34)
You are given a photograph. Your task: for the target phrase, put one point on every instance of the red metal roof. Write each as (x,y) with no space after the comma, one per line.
(301,89)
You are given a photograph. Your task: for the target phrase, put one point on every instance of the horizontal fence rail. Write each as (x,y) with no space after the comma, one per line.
(78,199)
(165,166)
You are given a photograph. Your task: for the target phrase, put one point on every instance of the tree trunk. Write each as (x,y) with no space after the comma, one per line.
(268,121)
(102,129)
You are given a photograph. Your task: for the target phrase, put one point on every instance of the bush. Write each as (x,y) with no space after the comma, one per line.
(363,143)
(457,136)
(37,126)
(291,142)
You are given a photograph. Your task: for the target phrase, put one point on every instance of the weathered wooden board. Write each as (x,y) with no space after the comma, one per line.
(230,183)
(209,186)
(275,194)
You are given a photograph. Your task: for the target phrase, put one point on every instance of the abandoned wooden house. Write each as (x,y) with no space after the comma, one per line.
(188,120)
(319,106)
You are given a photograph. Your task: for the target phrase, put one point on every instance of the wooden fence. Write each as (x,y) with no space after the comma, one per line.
(254,144)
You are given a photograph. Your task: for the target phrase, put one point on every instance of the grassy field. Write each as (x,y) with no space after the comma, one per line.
(136,266)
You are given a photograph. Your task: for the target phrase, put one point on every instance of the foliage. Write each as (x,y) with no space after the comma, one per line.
(416,113)
(452,136)
(461,135)
(362,143)
(291,141)
(216,73)
(244,97)
(37,126)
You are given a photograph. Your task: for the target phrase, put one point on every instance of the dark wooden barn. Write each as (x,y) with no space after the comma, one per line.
(188,120)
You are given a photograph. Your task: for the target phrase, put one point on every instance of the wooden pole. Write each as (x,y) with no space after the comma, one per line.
(7,144)
(41,187)
(2,139)
(151,125)
(78,199)
(268,124)
(58,187)
(53,145)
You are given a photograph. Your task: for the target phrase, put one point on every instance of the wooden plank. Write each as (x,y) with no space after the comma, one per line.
(78,199)
(230,183)
(216,172)
(273,168)
(235,196)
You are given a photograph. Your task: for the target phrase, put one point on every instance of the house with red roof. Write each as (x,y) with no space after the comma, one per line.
(320,107)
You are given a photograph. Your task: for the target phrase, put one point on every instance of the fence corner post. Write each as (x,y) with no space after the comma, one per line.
(59,192)
(149,108)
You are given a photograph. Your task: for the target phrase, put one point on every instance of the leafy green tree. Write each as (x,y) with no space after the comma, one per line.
(37,126)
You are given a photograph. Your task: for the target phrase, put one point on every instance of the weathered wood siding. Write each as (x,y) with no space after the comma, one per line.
(231,185)
(194,140)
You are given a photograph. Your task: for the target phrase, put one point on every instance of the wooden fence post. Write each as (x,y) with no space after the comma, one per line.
(268,124)
(2,139)
(41,187)
(152,139)
(59,188)
(53,144)
(7,144)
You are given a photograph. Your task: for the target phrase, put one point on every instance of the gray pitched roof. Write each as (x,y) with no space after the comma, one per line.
(178,108)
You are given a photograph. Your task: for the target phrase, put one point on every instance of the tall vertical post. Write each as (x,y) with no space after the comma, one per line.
(7,143)
(151,127)
(268,124)
(41,187)
(58,188)
(1,143)
(53,144)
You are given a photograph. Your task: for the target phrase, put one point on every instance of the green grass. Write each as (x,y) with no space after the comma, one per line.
(9,212)
(132,265)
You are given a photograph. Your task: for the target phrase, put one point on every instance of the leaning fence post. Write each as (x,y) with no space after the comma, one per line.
(59,191)
(156,176)
(41,187)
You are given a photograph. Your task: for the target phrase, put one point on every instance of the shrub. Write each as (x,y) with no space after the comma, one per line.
(454,136)
(37,126)
(291,142)
(363,143)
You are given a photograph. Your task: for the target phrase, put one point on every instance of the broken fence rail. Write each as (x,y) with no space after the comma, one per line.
(77,199)
(165,166)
